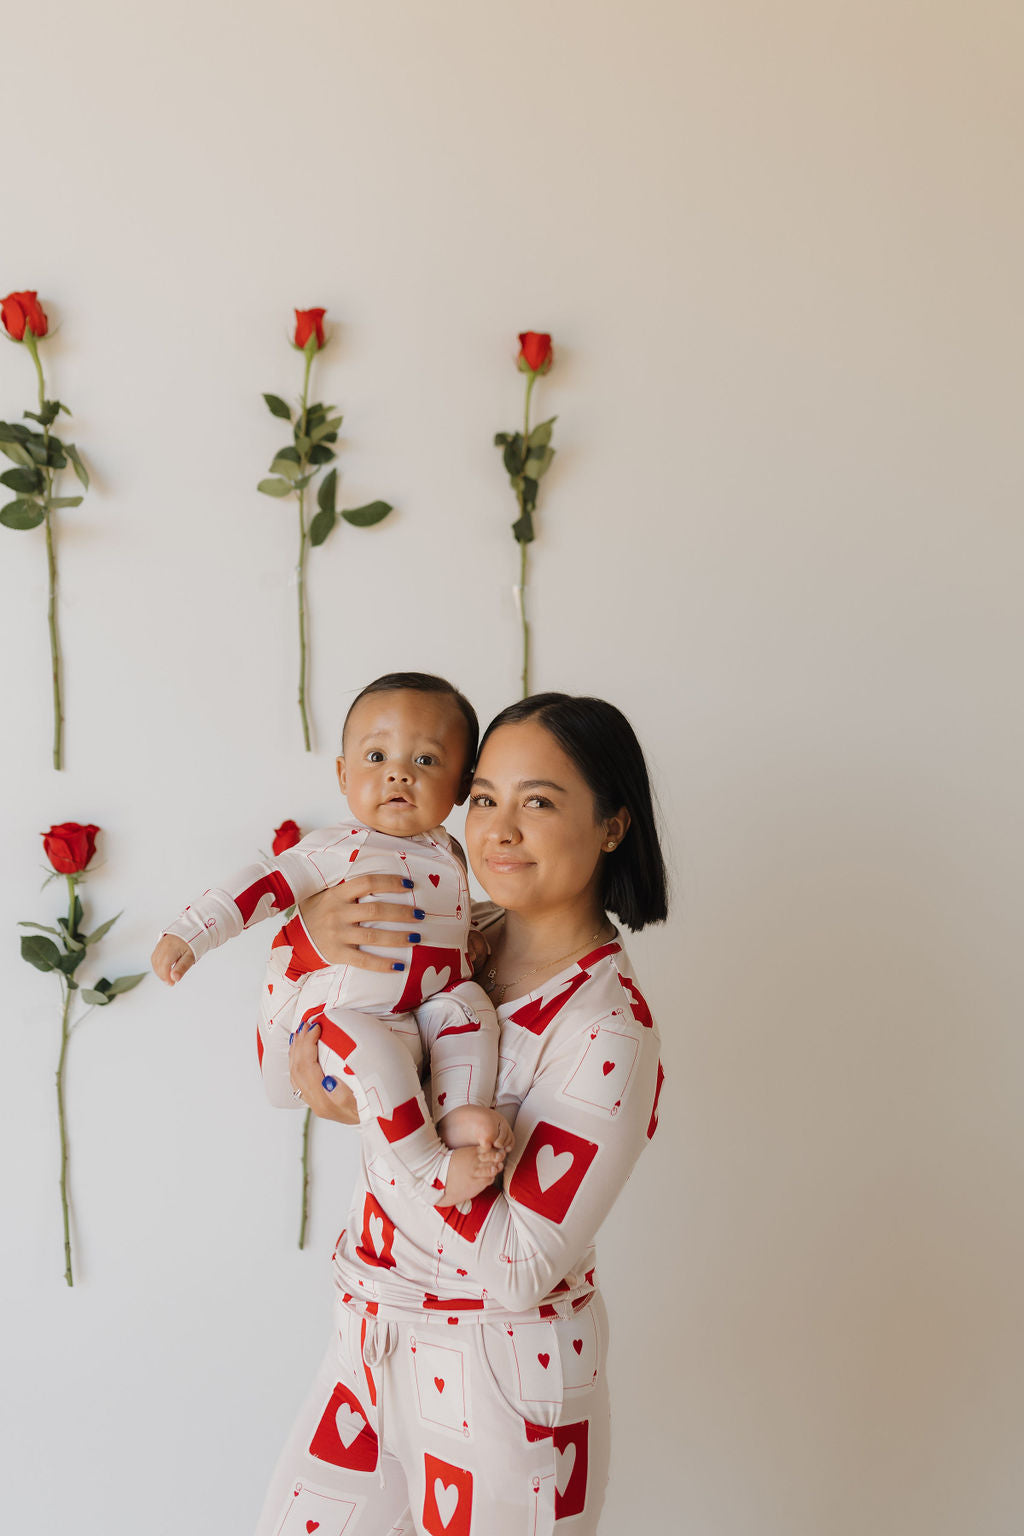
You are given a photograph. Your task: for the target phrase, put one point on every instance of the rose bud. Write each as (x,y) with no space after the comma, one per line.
(535,352)
(21,310)
(285,836)
(307,323)
(69,846)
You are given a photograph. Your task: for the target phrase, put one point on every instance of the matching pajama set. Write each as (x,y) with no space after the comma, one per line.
(370,1037)
(463,1392)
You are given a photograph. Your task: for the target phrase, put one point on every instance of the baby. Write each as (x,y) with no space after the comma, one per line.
(408,747)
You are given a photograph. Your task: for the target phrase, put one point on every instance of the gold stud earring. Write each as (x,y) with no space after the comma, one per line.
(609,846)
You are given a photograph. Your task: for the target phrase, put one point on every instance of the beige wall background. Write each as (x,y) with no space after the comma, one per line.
(780,248)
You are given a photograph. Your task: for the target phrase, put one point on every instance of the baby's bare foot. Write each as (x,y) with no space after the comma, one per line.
(471,1124)
(470,1172)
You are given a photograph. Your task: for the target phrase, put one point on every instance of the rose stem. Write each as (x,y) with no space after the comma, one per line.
(302,567)
(51,561)
(522,547)
(66,985)
(305,1177)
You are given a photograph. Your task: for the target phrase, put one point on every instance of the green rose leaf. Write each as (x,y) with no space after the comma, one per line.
(65,501)
(54,456)
(302,444)
(22,514)
(126,983)
(268,487)
(17,454)
(277,407)
(97,999)
(330,426)
(42,928)
(365,517)
(77,465)
(523,529)
(322,524)
(529,495)
(13,432)
(287,452)
(535,467)
(501,438)
(541,434)
(289,468)
(514,455)
(320,454)
(41,953)
(97,933)
(326,496)
(69,963)
(29,480)
(47,415)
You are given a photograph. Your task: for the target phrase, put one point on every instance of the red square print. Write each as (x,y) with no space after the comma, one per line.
(571,1457)
(343,1437)
(447,1498)
(377,1239)
(551,1170)
(467,1219)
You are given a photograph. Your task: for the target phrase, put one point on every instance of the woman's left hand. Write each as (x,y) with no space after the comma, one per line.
(307,1077)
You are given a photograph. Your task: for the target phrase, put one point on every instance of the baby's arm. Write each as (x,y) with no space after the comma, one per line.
(254,893)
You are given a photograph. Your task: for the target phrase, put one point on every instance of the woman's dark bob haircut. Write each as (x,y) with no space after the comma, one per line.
(423,682)
(603,745)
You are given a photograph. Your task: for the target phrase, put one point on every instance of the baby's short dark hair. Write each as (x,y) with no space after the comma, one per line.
(422,682)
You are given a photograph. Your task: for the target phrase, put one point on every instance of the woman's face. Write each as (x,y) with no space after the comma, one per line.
(532,833)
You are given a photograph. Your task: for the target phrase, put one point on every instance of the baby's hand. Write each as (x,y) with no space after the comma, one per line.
(171,959)
(479,951)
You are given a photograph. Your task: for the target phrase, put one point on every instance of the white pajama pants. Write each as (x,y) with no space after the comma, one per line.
(420,1429)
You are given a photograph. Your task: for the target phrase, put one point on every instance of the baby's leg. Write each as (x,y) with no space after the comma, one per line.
(460,1031)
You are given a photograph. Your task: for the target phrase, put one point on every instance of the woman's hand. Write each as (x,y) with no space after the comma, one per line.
(337,921)
(308,1080)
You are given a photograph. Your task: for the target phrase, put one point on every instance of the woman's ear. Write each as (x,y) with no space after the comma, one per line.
(615,829)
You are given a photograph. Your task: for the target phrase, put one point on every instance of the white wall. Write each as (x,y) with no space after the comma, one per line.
(780,248)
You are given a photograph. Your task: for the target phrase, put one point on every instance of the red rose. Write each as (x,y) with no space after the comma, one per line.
(306,322)
(19,310)
(285,836)
(69,846)
(535,352)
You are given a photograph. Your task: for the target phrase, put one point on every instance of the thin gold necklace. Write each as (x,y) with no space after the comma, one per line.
(491,985)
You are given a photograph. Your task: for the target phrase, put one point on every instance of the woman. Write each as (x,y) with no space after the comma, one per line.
(464,1392)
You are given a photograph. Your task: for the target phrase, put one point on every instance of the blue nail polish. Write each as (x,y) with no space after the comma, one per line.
(329,1083)
(291,1038)
(398,965)
(300,1029)
(408,884)
(418,915)
(414,938)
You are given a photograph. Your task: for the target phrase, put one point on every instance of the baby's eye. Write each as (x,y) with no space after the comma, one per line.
(375,756)
(425,759)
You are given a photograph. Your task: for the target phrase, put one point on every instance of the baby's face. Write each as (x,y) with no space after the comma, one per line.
(404,764)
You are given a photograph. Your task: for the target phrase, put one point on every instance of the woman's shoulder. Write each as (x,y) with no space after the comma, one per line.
(600,989)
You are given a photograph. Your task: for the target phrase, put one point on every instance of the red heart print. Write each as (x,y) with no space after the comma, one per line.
(462,1271)
(453,1319)
(441,1097)
(270,986)
(608,1066)
(312,1525)
(435,880)
(439,1383)
(577,1345)
(544,1360)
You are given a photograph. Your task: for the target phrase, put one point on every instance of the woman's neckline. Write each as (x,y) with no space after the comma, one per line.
(511,1003)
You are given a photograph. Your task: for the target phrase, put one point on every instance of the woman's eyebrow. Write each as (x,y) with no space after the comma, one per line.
(525,784)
